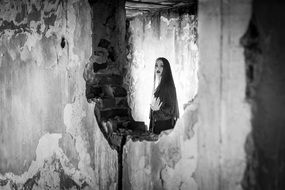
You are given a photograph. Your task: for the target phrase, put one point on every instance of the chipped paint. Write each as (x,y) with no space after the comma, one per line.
(168,20)
(43,99)
(168,163)
(48,150)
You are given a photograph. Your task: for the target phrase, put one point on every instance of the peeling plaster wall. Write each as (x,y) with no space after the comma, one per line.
(170,162)
(48,135)
(224,115)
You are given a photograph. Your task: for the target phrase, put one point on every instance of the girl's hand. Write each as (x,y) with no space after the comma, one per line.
(155,104)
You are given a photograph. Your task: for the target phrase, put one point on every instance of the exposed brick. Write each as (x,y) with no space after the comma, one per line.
(104,43)
(119,91)
(106,103)
(116,140)
(88,74)
(112,102)
(104,79)
(111,113)
(93,91)
(107,91)
(111,79)
(137,125)
(122,102)
(97,66)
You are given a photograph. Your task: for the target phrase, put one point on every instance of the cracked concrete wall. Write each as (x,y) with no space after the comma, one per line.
(49,137)
(224,115)
(170,162)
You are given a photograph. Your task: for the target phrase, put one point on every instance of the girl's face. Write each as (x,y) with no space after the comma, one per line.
(158,68)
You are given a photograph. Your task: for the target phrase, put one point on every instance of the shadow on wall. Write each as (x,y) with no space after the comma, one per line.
(252,52)
(264,57)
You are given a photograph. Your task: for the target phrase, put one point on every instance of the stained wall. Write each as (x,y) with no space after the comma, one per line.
(49,138)
(224,113)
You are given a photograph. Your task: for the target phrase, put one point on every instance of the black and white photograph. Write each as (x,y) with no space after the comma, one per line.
(142,95)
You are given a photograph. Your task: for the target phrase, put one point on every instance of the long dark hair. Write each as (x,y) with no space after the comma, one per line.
(166,89)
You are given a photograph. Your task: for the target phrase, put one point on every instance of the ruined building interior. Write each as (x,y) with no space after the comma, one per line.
(76,80)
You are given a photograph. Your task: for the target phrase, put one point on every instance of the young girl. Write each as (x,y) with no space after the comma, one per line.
(164,107)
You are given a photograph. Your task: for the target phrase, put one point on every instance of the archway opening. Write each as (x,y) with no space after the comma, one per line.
(169,32)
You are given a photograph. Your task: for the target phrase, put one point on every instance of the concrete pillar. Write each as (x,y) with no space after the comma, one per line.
(223,113)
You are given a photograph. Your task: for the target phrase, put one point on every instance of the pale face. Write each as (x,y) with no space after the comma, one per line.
(158,68)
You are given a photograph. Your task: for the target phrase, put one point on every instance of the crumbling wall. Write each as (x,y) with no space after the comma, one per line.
(170,162)
(104,71)
(49,137)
